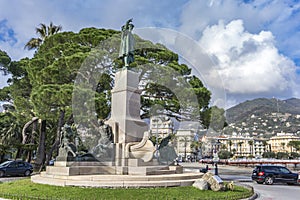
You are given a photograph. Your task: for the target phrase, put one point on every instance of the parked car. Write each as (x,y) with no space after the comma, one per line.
(270,174)
(51,162)
(15,168)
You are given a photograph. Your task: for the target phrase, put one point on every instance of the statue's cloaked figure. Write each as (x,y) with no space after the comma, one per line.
(127,44)
(104,148)
(167,153)
(66,148)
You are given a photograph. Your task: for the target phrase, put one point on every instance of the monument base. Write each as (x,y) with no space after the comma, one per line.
(132,167)
(80,168)
(118,181)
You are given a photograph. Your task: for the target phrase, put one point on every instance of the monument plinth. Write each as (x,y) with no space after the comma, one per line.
(125,108)
(127,126)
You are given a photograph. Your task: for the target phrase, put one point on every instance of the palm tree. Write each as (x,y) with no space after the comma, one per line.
(230,145)
(44,32)
(297,145)
(282,145)
(234,152)
(185,141)
(196,146)
(10,130)
(294,144)
(265,144)
(250,142)
(290,144)
(240,145)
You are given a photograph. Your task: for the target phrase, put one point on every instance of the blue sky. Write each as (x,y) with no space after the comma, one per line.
(255,43)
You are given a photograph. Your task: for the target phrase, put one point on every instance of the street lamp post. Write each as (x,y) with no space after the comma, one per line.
(156,142)
(216,158)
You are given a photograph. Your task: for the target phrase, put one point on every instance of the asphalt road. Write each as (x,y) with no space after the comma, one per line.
(276,191)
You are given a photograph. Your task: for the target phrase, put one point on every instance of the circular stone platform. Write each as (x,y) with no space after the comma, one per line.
(114,181)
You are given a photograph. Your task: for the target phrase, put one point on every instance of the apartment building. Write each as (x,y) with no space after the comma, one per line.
(161,125)
(279,143)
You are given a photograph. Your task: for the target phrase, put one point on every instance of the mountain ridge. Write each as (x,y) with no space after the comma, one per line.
(261,106)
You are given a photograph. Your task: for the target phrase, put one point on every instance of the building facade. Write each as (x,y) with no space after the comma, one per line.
(161,126)
(185,135)
(242,145)
(279,143)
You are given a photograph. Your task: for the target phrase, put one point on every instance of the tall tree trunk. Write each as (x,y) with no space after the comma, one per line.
(32,140)
(41,154)
(58,135)
(24,135)
(2,157)
(19,153)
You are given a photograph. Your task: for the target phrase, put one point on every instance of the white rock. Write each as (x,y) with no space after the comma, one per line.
(201,184)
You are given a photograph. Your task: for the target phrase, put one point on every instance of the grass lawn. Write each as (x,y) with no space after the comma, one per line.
(25,189)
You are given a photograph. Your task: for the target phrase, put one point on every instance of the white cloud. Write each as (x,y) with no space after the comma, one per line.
(249,63)
(279,17)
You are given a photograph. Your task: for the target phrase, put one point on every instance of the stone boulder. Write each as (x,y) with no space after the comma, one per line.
(201,184)
(215,182)
(207,175)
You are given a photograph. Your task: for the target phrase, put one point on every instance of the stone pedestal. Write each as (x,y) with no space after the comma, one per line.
(125,118)
(125,114)
(65,159)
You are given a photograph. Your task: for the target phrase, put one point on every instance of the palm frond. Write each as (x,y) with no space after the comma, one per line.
(42,31)
(33,43)
(52,29)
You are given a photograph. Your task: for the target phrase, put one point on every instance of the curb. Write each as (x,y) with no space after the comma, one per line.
(254,196)
(237,180)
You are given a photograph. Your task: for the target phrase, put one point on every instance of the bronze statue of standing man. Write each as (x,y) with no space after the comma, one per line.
(127,44)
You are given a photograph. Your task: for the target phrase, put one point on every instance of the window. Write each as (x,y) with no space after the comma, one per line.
(21,165)
(258,168)
(271,169)
(12,165)
(284,170)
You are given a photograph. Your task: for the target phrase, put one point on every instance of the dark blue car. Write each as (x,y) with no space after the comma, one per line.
(15,168)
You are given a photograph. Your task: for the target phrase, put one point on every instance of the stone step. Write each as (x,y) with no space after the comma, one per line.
(116,178)
(112,170)
(160,172)
(80,170)
(113,183)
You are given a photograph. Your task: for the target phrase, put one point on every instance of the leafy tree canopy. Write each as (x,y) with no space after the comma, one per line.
(4,61)
(43,86)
